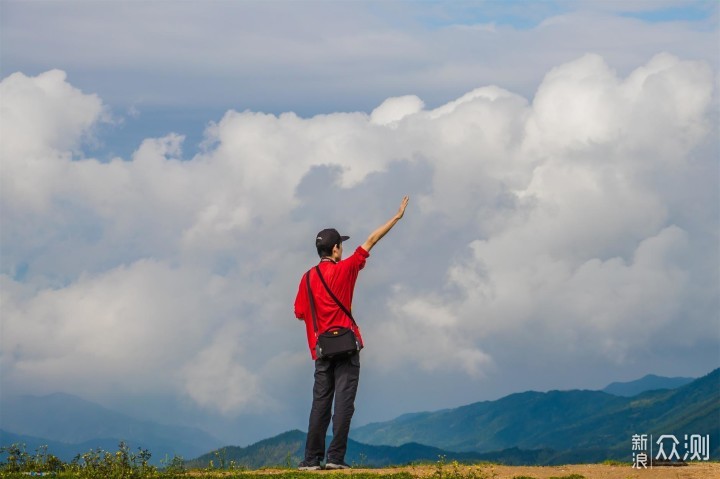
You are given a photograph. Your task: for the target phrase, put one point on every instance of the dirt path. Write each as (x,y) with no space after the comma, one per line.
(589,471)
(696,470)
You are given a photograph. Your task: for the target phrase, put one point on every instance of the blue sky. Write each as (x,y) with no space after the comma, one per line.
(555,153)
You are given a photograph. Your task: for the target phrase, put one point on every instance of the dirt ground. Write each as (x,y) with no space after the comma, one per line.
(696,470)
(601,471)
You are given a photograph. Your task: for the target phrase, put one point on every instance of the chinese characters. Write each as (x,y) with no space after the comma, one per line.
(668,448)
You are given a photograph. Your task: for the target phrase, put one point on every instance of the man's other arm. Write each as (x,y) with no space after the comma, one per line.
(377,235)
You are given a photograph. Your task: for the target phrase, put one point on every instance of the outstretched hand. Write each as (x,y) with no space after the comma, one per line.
(403,205)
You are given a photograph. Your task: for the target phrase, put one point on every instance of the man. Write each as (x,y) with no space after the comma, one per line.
(338,377)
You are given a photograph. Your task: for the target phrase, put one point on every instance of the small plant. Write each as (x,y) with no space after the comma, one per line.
(439,467)
(19,460)
(472,472)
(123,464)
(289,461)
(361,462)
(174,466)
(221,456)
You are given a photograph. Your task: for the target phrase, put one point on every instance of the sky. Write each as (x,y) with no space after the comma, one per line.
(166,165)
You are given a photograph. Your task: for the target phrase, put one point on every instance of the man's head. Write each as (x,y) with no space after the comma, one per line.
(329,244)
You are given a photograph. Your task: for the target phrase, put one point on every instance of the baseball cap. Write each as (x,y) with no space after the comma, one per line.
(329,238)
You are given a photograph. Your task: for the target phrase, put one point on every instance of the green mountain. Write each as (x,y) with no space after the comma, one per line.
(286,450)
(557,427)
(561,421)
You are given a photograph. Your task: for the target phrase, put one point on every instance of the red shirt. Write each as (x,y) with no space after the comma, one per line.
(340,278)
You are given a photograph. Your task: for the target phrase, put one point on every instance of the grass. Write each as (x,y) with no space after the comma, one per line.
(211,475)
(127,464)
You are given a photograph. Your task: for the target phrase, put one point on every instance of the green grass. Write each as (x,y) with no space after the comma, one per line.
(216,474)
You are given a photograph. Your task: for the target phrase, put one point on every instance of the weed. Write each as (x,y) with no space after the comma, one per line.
(18,460)
(174,466)
(479,471)
(123,464)
(362,459)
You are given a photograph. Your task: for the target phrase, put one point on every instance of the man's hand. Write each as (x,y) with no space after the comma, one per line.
(403,205)
(376,235)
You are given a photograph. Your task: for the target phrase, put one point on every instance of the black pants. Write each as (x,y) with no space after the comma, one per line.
(336,378)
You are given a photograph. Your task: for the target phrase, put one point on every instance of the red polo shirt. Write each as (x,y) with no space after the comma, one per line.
(340,278)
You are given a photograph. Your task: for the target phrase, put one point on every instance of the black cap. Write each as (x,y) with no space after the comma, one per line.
(328,238)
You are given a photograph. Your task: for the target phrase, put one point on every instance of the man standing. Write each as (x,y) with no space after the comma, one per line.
(337,377)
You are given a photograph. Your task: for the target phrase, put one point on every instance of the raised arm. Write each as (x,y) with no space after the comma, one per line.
(377,235)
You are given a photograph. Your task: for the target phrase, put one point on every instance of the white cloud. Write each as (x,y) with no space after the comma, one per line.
(561,226)
(43,117)
(395,109)
(216,378)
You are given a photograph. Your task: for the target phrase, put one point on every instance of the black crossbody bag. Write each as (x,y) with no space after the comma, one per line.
(336,341)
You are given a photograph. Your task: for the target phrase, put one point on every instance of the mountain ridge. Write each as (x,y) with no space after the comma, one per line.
(649,382)
(286,449)
(522,428)
(541,428)
(69,420)
(556,419)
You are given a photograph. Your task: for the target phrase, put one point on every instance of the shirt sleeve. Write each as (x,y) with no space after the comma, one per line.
(357,260)
(301,300)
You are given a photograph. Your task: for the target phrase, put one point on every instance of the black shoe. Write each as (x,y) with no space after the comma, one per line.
(334,465)
(309,465)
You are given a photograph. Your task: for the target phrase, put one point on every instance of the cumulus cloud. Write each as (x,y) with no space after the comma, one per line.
(565,226)
(43,117)
(588,253)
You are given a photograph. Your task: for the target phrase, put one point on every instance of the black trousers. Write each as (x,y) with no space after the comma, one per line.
(338,379)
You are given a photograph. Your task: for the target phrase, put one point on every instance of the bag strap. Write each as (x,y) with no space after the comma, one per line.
(344,309)
(312,302)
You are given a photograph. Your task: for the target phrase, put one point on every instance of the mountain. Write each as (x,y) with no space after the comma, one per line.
(554,427)
(79,425)
(557,427)
(647,383)
(583,423)
(287,450)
